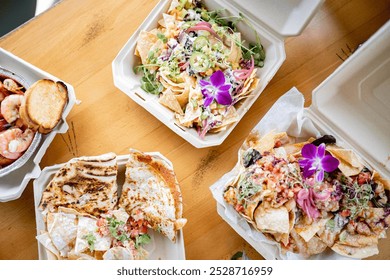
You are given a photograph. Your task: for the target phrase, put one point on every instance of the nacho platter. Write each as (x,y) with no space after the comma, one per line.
(13,184)
(271,30)
(359,167)
(159,247)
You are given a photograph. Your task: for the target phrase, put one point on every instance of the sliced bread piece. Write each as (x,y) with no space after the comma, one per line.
(45,102)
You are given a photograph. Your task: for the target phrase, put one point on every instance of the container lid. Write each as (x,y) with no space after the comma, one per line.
(355,101)
(285,17)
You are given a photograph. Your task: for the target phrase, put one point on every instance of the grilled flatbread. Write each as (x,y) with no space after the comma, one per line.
(86,184)
(151,192)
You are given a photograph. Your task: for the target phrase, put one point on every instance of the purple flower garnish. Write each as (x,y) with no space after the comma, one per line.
(216,89)
(316,161)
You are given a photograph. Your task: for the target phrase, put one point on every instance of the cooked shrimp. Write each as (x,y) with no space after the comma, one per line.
(10,107)
(12,86)
(14,141)
(3,92)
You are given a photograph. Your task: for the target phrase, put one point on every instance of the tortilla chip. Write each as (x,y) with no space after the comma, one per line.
(88,226)
(285,237)
(376,177)
(62,231)
(190,115)
(168,100)
(169,22)
(308,231)
(267,142)
(145,42)
(235,54)
(169,83)
(328,236)
(230,116)
(46,241)
(182,98)
(174,5)
(218,129)
(356,240)
(350,164)
(355,252)
(314,246)
(296,148)
(249,85)
(272,220)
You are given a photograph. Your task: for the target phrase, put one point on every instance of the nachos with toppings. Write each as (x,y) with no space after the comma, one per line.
(310,196)
(198,65)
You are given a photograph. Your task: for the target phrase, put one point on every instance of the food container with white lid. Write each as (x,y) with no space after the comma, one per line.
(352,104)
(161,248)
(13,183)
(273,21)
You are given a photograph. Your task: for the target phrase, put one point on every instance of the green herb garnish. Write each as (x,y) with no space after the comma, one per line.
(149,82)
(247,187)
(113,226)
(356,198)
(141,240)
(91,240)
(162,37)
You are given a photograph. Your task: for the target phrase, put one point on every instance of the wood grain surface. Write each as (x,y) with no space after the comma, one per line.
(77,41)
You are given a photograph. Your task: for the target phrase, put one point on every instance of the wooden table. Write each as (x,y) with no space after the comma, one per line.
(77,41)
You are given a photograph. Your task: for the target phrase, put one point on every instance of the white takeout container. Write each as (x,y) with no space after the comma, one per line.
(161,248)
(272,19)
(13,184)
(352,104)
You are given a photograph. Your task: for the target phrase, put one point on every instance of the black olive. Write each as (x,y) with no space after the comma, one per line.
(326,139)
(251,157)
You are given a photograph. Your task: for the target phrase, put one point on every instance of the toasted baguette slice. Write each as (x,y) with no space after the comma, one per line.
(44,103)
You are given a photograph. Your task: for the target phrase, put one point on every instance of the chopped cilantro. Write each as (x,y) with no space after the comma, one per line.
(113,226)
(141,240)
(162,37)
(91,240)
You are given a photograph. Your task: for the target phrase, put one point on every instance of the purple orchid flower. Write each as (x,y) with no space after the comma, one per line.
(316,161)
(216,89)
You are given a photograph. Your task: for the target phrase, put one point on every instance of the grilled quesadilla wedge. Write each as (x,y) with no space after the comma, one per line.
(151,193)
(86,184)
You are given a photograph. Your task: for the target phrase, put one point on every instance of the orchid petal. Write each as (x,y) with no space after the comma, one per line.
(224,98)
(321,151)
(224,87)
(305,162)
(307,172)
(217,78)
(204,83)
(329,163)
(208,100)
(320,175)
(309,151)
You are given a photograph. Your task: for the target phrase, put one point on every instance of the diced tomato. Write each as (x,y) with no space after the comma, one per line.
(239,208)
(345,213)
(363,178)
(278,144)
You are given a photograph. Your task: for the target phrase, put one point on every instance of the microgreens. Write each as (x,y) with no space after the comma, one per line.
(149,82)
(356,198)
